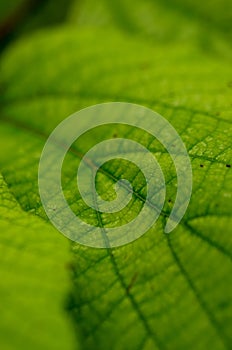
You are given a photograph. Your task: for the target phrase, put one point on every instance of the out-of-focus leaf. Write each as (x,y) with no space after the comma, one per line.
(34,282)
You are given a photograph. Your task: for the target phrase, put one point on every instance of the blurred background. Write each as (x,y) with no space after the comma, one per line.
(158,20)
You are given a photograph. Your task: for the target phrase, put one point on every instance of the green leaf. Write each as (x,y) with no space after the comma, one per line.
(34,282)
(206,23)
(162,291)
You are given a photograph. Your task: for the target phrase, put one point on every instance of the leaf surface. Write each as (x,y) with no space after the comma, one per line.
(162,291)
(33,280)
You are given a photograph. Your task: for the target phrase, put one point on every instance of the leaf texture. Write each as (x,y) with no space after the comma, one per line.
(162,291)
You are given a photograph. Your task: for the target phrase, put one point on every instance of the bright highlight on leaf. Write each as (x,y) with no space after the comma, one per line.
(129,115)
